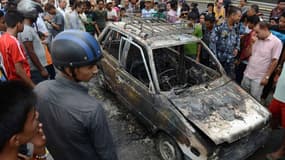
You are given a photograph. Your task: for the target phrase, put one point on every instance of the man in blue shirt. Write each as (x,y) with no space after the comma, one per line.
(225,41)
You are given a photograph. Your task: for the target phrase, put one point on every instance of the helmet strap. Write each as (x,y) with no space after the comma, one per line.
(70,72)
(73,74)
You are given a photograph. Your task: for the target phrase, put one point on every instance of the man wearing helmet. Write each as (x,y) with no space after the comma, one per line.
(74,122)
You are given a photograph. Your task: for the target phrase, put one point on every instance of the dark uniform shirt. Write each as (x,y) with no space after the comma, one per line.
(74,122)
(223,42)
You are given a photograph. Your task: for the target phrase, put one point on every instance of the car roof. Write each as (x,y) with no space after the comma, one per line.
(156,33)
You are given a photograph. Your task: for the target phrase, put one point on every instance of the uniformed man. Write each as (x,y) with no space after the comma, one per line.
(225,41)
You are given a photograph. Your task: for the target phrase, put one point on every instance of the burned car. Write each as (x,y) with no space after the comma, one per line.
(194,110)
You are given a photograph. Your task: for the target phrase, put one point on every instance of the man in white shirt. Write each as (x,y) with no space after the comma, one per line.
(61,7)
(111,12)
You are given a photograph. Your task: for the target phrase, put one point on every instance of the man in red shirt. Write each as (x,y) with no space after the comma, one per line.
(14,58)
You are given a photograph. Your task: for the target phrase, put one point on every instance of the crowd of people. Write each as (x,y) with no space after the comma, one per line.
(62,34)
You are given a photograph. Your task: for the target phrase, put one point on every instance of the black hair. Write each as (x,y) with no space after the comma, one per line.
(100,1)
(233,10)
(253,19)
(49,7)
(255,7)
(88,4)
(210,18)
(279,1)
(210,4)
(263,25)
(17,99)
(173,4)
(185,7)
(194,5)
(275,19)
(13,17)
(11,5)
(77,4)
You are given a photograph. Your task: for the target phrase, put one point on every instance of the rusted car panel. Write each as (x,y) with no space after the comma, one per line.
(197,105)
(226,113)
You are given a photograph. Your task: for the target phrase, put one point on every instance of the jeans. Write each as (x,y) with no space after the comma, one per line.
(253,87)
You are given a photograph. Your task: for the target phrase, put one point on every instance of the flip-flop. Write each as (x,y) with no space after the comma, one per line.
(270,157)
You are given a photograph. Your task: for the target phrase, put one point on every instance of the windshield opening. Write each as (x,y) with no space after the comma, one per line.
(178,67)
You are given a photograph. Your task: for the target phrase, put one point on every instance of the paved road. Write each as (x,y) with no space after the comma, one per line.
(131,138)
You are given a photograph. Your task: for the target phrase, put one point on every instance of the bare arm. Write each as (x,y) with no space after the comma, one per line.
(54,25)
(270,70)
(34,58)
(22,74)
(97,28)
(198,52)
(281,62)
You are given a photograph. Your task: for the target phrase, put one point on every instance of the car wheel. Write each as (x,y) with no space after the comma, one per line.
(168,148)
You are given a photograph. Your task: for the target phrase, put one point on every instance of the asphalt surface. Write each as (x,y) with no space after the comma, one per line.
(135,143)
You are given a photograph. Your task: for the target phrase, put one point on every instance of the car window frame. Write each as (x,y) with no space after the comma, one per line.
(123,59)
(105,39)
(210,52)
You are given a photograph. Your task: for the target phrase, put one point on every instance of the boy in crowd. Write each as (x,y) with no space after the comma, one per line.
(23,129)
(15,61)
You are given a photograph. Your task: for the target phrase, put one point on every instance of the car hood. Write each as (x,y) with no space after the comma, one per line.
(225,114)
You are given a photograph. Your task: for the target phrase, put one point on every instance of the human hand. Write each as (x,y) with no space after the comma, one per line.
(39,141)
(47,18)
(264,82)
(23,157)
(253,39)
(44,73)
(235,52)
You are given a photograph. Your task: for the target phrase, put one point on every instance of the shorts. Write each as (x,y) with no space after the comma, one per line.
(277,109)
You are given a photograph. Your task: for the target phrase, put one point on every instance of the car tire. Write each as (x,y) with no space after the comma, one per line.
(168,148)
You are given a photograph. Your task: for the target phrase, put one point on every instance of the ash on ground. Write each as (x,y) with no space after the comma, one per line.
(131,138)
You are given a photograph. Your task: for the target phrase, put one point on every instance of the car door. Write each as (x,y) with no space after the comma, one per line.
(135,83)
(110,63)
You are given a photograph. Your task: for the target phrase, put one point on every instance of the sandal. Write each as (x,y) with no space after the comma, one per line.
(271,157)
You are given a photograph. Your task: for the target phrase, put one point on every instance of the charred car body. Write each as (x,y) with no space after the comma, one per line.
(195,110)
